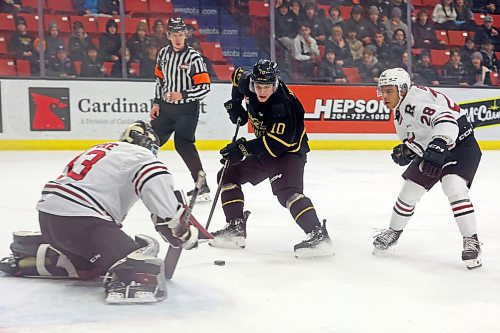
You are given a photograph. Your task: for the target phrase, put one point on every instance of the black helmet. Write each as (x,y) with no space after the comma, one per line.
(142,134)
(265,71)
(176,24)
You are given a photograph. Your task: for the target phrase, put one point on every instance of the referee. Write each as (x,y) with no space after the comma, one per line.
(181,82)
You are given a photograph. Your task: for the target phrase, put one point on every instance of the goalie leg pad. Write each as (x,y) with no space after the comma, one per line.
(32,256)
(137,278)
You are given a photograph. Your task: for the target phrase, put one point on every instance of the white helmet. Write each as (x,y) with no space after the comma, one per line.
(395,77)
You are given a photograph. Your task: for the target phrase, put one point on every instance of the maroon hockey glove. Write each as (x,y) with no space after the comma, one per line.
(434,158)
(402,155)
(235,151)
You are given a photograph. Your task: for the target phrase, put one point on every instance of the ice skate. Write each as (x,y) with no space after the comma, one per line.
(203,194)
(384,240)
(471,254)
(233,235)
(316,244)
(133,293)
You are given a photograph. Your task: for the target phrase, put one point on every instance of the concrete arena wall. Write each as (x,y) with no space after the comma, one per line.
(74,114)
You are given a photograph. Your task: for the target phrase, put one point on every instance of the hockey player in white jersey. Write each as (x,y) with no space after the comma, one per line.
(81,213)
(439,145)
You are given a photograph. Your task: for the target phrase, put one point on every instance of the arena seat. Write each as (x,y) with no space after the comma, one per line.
(223,71)
(8,22)
(3,44)
(61,6)
(33,4)
(23,68)
(136,6)
(164,7)
(345,12)
(258,8)
(213,51)
(457,38)
(7,67)
(442,36)
(439,57)
(31,21)
(352,74)
(131,24)
(78,67)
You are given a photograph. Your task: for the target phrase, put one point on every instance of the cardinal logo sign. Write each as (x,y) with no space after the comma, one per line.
(49,109)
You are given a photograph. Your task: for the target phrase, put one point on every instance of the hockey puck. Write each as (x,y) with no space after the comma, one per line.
(219,262)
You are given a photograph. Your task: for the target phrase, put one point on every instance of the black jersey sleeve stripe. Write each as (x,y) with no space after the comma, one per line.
(149,178)
(90,197)
(72,200)
(142,168)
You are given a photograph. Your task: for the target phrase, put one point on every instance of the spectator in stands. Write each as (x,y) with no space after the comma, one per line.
(399,4)
(10,6)
(147,65)
(334,19)
(355,45)
(340,47)
(110,42)
(109,7)
(425,73)
(53,41)
(370,69)
(21,44)
(371,26)
(305,51)
(383,51)
(425,33)
(296,10)
(286,26)
(381,5)
(490,59)
(116,71)
(355,21)
(488,32)
(477,74)
(444,15)
(395,23)
(329,70)
(137,43)
(465,18)
(79,41)
(159,36)
(86,7)
(398,44)
(92,65)
(454,71)
(315,23)
(486,6)
(61,65)
(467,50)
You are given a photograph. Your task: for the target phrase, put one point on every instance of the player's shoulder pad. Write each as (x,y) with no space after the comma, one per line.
(235,77)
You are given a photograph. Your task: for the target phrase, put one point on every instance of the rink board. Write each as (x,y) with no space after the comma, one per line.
(72,114)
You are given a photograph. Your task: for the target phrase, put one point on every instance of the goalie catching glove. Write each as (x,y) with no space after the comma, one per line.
(177,231)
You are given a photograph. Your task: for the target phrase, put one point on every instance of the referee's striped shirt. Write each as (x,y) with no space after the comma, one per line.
(183,71)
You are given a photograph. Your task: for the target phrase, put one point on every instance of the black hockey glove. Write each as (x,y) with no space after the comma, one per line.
(402,155)
(235,151)
(434,157)
(235,111)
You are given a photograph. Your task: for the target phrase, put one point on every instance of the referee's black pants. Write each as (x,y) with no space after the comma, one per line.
(183,120)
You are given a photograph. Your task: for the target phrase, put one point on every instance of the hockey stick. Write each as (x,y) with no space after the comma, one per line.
(174,253)
(224,168)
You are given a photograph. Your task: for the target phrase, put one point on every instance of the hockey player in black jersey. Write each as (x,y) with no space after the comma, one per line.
(278,153)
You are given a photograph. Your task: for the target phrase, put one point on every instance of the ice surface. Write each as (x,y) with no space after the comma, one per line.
(422,287)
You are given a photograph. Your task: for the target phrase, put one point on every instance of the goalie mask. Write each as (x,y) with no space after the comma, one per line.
(142,134)
(394,77)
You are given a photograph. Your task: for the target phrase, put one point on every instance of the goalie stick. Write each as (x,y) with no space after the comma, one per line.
(174,253)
